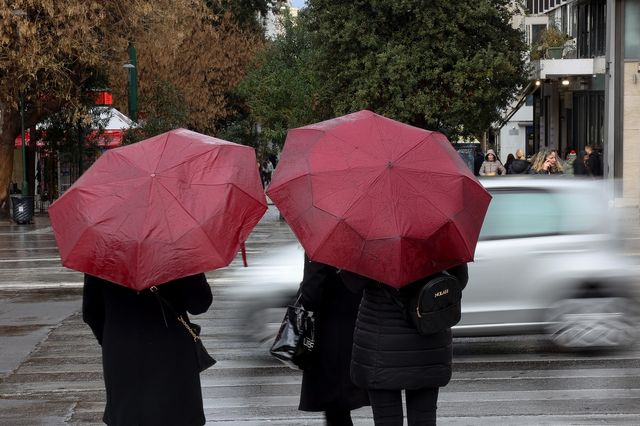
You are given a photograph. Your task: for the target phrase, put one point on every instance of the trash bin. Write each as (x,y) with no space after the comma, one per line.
(22,208)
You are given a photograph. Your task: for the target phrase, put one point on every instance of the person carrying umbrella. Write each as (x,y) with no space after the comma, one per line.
(150,369)
(389,355)
(387,204)
(144,223)
(326,382)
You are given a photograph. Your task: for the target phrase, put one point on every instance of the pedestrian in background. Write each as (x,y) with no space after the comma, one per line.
(491,165)
(593,161)
(389,355)
(326,384)
(267,170)
(148,357)
(519,165)
(546,162)
(478,158)
(569,161)
(510,159)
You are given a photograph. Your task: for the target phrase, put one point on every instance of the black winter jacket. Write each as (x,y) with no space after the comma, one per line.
(519,167)
(150,369)
(388,353)
(326,384)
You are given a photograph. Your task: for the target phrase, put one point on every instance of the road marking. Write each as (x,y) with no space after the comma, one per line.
(35,286)
(32,259)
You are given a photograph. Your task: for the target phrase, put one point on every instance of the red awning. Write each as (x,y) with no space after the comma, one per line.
(108,139)
(18,142)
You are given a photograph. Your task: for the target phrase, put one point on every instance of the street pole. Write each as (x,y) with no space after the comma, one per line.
(133,83)
(25,182)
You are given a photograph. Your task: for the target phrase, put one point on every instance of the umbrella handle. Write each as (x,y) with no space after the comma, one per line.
(244,254)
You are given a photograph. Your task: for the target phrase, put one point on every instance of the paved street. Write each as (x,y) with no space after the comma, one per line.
(50,366)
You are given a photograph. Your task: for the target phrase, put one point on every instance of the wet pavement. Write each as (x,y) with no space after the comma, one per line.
(51,372)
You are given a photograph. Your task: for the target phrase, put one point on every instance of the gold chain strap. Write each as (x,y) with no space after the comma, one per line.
(189,329)
(193,334)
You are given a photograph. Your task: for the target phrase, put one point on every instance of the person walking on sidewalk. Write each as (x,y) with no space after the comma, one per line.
(326,385)
(389,355)
(492,165)
(149,362)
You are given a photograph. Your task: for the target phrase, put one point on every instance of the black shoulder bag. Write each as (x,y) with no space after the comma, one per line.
(433,304)
(295,342)
(203,358)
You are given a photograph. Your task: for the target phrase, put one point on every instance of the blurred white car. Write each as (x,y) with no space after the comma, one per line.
(546,262)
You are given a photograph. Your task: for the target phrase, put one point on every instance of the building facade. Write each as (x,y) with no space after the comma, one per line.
(589,92)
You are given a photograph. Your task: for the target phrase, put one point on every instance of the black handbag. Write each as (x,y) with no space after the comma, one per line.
(203,359)
(434,303)
(295,342)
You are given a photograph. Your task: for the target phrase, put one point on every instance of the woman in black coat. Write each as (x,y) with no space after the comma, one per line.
(326,385)
(389,355)
(148,357)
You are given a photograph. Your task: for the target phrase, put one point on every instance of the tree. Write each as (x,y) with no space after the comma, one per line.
(448,65)
(165,110)
(281,88)
(247,13)
(49,49)
(201,55)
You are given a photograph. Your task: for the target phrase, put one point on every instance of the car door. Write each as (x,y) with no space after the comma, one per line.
(520,228)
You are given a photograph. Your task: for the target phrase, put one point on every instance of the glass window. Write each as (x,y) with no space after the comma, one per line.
(632,30)
(516,214)
(536,32)
(529,100)
(583,212)
(527,213)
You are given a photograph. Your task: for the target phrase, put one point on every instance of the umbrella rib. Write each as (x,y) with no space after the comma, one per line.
(441,212)
(410,150)
(186,160)
(160,157)
(128,161)
(391,187)
(192,218)
(328,234)
(144,231)
(464,241)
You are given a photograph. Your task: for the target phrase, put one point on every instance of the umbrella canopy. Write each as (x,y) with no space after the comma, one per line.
(177,204)
(379,198)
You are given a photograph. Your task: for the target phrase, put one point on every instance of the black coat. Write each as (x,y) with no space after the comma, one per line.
(150,370)
(388,352)
(519,167)
(326,383)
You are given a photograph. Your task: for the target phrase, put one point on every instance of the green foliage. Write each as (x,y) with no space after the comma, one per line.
(245,12)
(280,90)
(75,131)
(438,65)
(551,37)
(166,110)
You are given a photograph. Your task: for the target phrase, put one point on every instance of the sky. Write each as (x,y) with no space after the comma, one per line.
(298,3)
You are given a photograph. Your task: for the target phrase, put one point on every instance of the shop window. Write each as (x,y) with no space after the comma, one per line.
(632,30)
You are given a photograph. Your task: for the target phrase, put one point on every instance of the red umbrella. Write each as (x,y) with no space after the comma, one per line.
(380,198)
(177,204)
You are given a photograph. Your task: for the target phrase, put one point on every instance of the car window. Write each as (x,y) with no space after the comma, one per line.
(584,212)
(517,213)
(514,214)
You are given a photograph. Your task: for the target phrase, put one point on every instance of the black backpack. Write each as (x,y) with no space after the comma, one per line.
(433,304)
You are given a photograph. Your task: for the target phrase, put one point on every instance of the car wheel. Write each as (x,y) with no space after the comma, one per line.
(593,323)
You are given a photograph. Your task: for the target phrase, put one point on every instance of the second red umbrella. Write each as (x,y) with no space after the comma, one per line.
(378,197)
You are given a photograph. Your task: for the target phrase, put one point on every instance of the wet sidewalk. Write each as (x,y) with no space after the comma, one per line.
(51,370)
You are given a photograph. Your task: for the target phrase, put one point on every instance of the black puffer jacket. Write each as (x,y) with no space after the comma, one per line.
(388,352)
(518,167)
